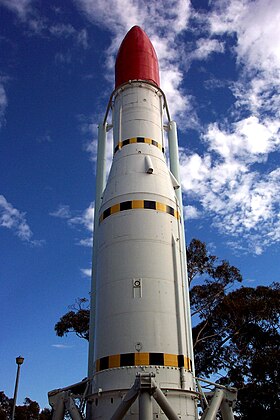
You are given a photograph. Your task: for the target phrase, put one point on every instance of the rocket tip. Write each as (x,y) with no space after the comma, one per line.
(136,59)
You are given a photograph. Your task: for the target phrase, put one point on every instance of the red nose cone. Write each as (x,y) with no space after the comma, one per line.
(136,59)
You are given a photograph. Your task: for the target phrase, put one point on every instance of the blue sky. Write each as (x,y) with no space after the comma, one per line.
(220,71)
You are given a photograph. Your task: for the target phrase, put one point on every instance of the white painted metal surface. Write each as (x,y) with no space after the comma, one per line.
(141,352)
(99,188)
(140,307)
(175,170)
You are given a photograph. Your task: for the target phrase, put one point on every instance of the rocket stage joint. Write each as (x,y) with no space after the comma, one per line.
(130,82)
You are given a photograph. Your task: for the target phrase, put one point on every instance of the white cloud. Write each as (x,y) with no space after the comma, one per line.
(205,47)
(62,30)
(29,13)
(63,58)
(259,95)
(86,242)
(85,219)
(44,138)
(229,179)
(20,7)
(91,147)
(61,346)
(259,34)
(117,15)
(250,280)
(86,272)
(3,103)
(13,219)
(243,203)
(82,219)
(249,139)
(63,212)
(191,212)
(256,25)
(194,170)
(82,38)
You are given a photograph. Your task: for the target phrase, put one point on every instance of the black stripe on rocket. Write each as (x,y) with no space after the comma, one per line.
(138,140)
(143,359)
(139,204)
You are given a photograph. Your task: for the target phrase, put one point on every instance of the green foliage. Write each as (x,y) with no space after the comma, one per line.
(199,260)
(46,414)
(76,320)
(6,405)
(30,410)
(237,335)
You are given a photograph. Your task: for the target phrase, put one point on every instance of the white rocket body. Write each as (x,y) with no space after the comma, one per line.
(140,340)
(140,320)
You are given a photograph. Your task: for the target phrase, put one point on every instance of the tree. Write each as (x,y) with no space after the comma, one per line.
(241,337)
(237,335)
(46,414)
(214,279)
(6,405)
(76,320)
(30,410)
(236,332)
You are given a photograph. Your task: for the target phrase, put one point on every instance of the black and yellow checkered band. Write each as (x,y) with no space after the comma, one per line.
(143,359)
(139,204)
(138,140)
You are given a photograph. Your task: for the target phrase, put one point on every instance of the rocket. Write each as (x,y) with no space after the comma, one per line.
(140,363)
(140,358)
